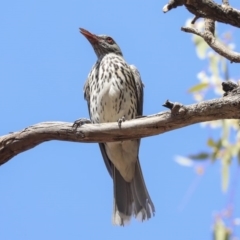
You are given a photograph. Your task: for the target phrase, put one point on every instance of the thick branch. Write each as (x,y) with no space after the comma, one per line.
(208,9)
(224,108)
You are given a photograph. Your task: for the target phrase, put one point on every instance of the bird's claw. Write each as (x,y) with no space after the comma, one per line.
(80,122)
(120,120)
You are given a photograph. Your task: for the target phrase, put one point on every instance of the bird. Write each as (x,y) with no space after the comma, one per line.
(114,93)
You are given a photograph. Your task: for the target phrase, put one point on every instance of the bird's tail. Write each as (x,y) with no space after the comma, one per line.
(131,198)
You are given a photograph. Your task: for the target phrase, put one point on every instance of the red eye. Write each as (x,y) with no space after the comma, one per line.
(109,40)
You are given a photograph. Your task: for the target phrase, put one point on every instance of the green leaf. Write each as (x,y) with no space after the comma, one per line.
(224,67)
(214,155)
(219,144)
(225,171)
(201,46)
(225,132)
(238,156)
(220,231)
(198,87)
(211,143)
(216,149)
(214,61)
(234,150)
(200,156)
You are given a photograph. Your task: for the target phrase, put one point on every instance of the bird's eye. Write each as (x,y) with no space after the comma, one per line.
(110,40)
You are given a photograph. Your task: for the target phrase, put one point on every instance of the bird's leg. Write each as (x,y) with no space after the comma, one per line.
(79,122)
(120,120)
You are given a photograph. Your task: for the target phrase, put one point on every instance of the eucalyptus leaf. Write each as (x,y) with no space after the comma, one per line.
(220,231)
(200,156)
(201,46)
(225,171)
(198,87)
(214,63)
(238,156)
(211,143)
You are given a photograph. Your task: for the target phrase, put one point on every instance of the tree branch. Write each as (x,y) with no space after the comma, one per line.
(208,36)
(211,12)
(227,107)
(208,9)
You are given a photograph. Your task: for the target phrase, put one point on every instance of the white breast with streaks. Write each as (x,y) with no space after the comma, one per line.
(114,98)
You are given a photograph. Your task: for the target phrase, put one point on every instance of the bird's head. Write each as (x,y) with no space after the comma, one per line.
(101,44)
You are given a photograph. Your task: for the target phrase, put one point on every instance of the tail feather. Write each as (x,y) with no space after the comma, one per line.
(131,198)
(122,199)
(142,197)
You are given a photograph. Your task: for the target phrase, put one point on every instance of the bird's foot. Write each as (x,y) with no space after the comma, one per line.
(80,122)
(120,120)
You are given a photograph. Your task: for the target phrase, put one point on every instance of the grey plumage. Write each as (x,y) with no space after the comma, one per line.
(114,90)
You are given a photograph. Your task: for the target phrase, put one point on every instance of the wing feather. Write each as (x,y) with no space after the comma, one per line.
(139,86)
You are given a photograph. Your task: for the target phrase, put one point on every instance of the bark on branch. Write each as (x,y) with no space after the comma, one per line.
(208,36)
(208,9)
(211,12)
(227,107)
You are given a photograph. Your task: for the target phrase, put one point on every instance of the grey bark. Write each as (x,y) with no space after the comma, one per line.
(227,107)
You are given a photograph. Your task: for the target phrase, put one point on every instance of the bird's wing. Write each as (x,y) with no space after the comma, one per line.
(86,90)
(106,159)
(139,86)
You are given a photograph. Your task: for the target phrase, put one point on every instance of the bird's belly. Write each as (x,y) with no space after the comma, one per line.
(113,102)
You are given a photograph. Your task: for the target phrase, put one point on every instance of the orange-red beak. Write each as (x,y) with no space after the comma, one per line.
(92,38)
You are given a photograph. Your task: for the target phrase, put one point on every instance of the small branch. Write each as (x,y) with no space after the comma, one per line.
(192,30)
(208,36)
(211,12)
(181,116)
(195,19)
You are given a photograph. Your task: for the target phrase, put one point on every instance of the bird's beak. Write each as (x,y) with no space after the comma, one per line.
(92,38)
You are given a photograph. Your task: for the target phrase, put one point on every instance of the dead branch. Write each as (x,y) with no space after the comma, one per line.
(211,12)
(208,9)
(208,36)
(227,107)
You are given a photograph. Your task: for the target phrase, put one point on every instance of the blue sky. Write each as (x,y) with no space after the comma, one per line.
(61,190)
